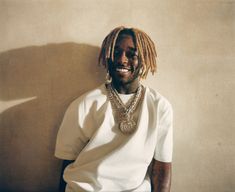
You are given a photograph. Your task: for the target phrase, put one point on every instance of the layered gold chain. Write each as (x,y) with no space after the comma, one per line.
(127,125)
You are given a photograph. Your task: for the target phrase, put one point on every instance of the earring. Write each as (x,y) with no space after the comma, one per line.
(141,71)
(108,78)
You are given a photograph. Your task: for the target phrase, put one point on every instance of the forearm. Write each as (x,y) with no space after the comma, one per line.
(62,182)
(161,176)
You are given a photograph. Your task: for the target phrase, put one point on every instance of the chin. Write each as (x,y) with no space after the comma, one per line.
(124,81)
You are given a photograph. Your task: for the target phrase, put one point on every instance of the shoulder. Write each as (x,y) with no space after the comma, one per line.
(97,96)
(159,101)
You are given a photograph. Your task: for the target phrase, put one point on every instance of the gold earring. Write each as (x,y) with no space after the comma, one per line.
(108,78)
(140,71)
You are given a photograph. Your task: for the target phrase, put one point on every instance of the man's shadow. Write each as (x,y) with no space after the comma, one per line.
(37,83)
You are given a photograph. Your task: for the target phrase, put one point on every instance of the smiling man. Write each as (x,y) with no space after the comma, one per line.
(125,67)
(118,137)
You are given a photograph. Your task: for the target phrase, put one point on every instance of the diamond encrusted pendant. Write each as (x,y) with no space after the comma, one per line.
(127,125)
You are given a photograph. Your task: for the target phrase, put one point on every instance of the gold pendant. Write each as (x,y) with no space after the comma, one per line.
(124,117)
(127,125)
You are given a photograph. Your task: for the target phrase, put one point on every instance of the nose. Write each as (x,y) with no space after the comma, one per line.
(123,58)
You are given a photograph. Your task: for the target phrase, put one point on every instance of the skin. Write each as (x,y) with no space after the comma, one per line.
(125,68)
(124,71)
(62,182)
(126,56)
(160,176)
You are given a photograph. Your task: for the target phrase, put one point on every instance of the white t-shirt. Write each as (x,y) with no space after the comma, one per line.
(106,159)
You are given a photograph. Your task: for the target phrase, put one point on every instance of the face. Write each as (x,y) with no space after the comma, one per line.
(125,67)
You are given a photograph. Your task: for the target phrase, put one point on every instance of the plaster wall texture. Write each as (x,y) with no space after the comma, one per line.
(48,57)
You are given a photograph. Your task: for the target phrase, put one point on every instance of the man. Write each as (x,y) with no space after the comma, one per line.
(118,137)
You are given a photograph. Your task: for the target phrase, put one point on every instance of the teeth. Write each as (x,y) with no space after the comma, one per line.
(122,70)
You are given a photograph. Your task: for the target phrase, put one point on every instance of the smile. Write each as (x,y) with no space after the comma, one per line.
(123,70)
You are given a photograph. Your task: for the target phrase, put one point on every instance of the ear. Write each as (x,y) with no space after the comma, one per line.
(108,78)
(109,63)
(141,71)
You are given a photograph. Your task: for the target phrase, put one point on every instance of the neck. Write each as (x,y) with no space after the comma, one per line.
(126,88)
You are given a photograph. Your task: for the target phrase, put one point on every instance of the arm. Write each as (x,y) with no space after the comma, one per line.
(161,176)
(62,182)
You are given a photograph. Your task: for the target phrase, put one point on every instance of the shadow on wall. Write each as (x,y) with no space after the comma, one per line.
(36,86)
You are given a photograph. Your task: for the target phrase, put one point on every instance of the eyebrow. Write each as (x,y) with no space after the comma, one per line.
(131,48)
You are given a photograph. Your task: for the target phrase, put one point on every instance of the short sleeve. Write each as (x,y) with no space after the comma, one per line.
(164,146)
(70,139)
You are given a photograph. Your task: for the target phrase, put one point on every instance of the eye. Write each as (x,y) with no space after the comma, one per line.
(132,54)
(117,52)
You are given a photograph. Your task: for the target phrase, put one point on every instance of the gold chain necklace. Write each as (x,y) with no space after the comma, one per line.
(127,125)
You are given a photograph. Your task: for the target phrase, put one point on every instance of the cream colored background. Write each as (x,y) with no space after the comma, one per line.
(48,57)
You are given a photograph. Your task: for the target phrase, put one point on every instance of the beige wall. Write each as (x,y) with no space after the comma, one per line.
(48,56)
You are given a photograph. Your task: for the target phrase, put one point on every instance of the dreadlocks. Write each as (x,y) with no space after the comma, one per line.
(144,45)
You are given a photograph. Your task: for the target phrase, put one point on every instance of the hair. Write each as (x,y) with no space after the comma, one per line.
(145,47)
